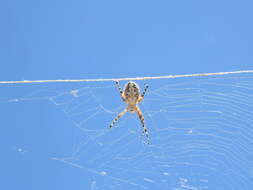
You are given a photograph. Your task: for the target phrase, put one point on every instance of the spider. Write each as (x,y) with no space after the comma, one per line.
(132,96)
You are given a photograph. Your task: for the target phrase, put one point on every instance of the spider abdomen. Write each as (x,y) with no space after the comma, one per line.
(132,93)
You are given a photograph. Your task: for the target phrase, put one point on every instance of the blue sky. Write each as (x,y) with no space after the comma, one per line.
(100,39)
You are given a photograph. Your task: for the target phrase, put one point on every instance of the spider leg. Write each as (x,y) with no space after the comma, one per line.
(120,91)
(143,93)
(117,118)
(141,117)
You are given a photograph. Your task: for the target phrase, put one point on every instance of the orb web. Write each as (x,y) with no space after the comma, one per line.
(200,133)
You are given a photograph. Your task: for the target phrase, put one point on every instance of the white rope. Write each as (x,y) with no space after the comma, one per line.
(121,79)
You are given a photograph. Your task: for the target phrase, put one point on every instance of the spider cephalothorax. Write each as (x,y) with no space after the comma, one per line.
(132,96)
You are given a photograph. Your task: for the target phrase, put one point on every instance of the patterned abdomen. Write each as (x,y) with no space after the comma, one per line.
(132,93)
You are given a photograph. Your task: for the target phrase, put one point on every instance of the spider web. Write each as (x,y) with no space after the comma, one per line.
(200,132)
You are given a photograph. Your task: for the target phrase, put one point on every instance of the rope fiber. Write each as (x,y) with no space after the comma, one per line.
(123,79)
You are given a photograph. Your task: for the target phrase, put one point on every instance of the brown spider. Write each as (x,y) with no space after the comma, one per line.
(131,95)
